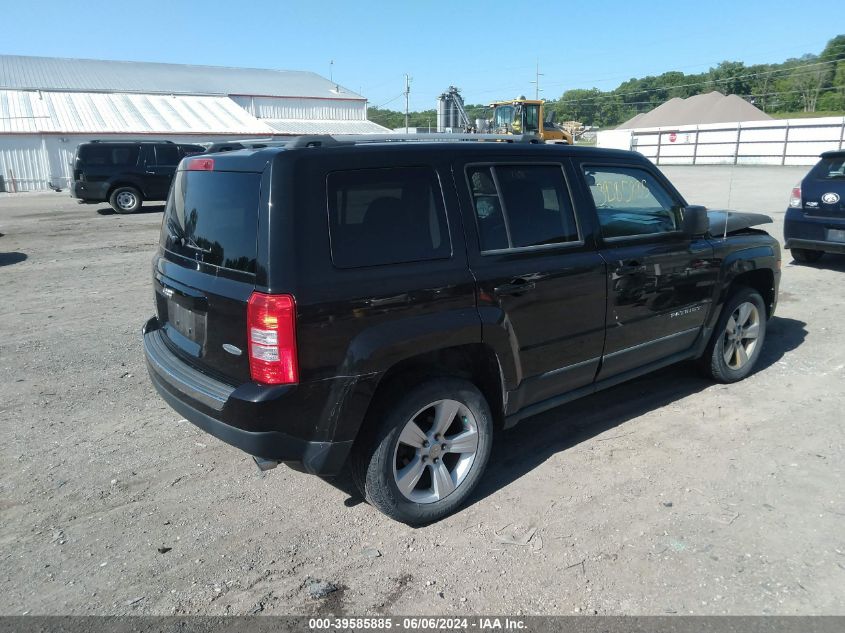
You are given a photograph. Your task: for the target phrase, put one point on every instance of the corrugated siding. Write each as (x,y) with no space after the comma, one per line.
(307,126)
(97,75)
(23,163)
(72,112)
(290,108)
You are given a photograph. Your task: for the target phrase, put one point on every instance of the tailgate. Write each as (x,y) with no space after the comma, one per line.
(206,274)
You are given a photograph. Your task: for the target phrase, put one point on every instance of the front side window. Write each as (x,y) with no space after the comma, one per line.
(517,206)
(630,202)
(386,216)
(503,117)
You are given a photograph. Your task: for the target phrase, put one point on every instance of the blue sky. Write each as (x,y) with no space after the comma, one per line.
(488,49)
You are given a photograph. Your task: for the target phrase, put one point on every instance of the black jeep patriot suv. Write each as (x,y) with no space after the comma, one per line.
(393,303)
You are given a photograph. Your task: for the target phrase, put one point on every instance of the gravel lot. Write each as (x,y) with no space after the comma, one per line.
(666,495)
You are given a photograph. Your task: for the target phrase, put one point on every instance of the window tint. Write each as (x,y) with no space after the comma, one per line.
(386,216)
(212,217)
(108,155)
(167,155)
(521,205)
(630,202)
(829,169)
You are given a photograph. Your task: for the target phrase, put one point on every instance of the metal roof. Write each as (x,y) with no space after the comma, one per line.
(23,112)
(95,75)
(324,126)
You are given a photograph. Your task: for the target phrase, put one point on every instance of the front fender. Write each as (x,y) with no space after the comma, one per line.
(741,261)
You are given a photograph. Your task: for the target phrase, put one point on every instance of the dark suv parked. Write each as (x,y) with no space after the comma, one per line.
(125,173)
(815,219)
(393,303)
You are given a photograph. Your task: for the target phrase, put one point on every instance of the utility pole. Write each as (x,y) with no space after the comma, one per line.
(536,82)
(331,71)
(407,93)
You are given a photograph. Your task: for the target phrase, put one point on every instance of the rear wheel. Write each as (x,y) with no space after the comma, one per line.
(125,200)
(428,453)
(736,344)
(806,256)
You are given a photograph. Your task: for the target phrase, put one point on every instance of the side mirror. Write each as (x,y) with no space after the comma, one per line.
(695,220)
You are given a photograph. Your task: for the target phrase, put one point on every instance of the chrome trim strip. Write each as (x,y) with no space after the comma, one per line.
(653,342)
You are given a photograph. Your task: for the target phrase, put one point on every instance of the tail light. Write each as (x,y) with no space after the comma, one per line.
(271,328)
(795,197)
(201,164)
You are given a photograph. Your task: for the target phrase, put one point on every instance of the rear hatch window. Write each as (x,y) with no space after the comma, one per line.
(829,169)
(212,217)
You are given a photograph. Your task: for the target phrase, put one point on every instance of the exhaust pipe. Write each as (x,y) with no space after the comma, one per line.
(265,464)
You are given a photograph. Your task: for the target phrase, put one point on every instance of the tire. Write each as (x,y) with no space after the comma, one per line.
(126,200)
(730,355)
(806,256)
(408,480)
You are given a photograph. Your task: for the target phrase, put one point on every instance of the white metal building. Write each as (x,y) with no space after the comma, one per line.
(50,105)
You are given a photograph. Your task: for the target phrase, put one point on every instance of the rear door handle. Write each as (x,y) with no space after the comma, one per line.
(515,288)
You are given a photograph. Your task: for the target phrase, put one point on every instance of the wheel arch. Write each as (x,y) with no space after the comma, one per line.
(125,183)
(763,281)
(475,362)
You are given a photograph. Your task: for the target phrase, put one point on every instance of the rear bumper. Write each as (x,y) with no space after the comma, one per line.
(806,231)
(263,421)
(812,245)
(89,191)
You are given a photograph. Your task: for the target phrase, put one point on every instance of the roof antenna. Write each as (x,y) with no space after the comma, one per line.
(728,209)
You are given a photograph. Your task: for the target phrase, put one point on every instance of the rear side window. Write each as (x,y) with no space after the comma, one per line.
(829,169)
(107,155)
(212,217)
(386,216)
(167,155)
(521,205)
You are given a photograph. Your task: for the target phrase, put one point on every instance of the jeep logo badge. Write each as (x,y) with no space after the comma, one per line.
(830,198)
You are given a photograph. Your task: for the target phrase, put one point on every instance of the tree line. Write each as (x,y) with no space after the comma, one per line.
(808,84)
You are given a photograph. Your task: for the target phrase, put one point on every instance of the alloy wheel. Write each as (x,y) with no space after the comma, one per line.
(741,335)
(435,451)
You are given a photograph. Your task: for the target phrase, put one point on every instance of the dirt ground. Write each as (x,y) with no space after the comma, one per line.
(666,495)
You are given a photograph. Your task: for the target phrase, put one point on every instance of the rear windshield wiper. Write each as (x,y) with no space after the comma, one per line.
(177,234)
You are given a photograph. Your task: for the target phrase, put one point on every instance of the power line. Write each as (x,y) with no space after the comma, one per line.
(605,94)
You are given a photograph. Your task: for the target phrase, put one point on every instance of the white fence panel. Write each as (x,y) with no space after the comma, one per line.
(775,142)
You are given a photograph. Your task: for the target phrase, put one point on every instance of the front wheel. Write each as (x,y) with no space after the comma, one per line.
(806,255)
(428,453)
(738,339)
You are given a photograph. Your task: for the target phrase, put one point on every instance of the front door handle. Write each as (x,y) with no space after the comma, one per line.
(515,288)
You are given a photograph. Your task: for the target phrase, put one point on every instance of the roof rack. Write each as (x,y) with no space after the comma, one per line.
(330,140)
(127,140)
